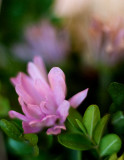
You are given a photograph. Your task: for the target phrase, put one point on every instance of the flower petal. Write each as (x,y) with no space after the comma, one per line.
(15,80)
(40,65)
(25,89)
(14,114)
(47,95)
(44,108)
(28,86)
(28,129)
(31,111)
(77,99)
(55,130)
(63,110)
(47,121)
(21,92)
(35,73)
(57,82)
(43,89)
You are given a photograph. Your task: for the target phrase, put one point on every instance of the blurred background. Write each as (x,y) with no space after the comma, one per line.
(84,38)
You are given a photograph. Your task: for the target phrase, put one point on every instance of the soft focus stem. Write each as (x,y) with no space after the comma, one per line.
(105,77)
(75,155)
(79,155)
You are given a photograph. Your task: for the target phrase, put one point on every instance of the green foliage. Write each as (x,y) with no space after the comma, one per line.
(85,133)
(115,157)
(99,130)
(10,129)
(118,122)
(19,147)
(73,115)
(35,150)
(91,118)
(121,157)
(19,142)
(4,106)
(15,15)
(31,138)
(46,141)
(75,141)
(109,144)
(81,126)
(116,91)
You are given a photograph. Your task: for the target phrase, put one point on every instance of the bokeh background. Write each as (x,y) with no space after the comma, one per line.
(84,38)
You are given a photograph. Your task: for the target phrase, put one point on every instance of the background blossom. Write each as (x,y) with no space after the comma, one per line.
(45,40)
(98,26)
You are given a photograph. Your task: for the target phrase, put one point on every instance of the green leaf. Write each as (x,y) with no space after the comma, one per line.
(81,126)
(91,118)
(20,148)
(113,157)
(70,128)
(4,106)
(74,141)
(99,130)
(46,140)
(109,145)
(73,115)
(121,157)
(113,108)
(35,150)
(31,138)
(118,122)
(116,91)
(10,129)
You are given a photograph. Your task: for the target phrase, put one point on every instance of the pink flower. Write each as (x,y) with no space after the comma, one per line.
(42,98)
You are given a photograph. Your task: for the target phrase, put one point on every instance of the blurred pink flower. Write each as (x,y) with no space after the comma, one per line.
(46,40)
(42,98)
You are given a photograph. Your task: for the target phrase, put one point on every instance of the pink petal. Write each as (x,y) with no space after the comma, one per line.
(42,88)
(31,111)
(40,65)
(44,108)
(28,129)
(55,130)
(24,107)
(14,114)
(26,89)
(47,95)
(22,93)
(49,120)
(45,122)
(35,111)
(35,73)
(15,80)
(28,86)
(57,82)
(63,110)
(77,99)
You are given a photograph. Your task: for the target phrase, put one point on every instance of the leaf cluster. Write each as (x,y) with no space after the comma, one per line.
(86,133)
